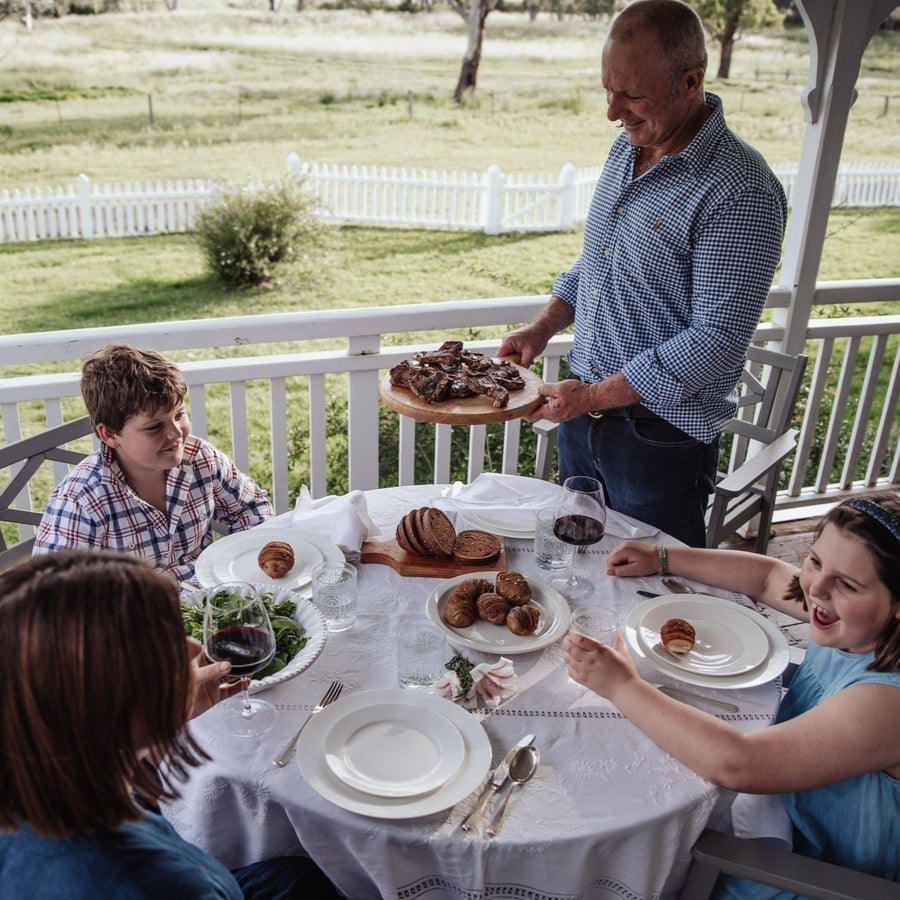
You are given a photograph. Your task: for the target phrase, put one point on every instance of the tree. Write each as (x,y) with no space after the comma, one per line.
(724,19)
(473,15)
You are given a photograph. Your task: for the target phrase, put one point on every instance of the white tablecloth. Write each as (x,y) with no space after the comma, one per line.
(607,815)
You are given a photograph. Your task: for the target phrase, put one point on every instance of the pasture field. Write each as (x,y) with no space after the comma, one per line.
(234,88)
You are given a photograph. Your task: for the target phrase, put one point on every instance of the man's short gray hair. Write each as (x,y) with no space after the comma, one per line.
(677,27)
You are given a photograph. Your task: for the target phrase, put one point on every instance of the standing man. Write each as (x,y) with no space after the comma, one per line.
(680,247)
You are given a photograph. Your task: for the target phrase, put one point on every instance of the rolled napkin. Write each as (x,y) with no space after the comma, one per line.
(465,682)
(514,499)
(345,520)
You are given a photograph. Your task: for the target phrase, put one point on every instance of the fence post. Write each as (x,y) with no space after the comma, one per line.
(85,222)
(293,166)
(492,200)
(566,197)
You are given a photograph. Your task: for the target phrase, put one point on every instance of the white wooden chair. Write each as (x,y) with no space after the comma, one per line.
(716,853)
(762,440)
(21,460)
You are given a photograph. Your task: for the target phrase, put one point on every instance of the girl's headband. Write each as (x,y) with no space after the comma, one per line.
(878,513)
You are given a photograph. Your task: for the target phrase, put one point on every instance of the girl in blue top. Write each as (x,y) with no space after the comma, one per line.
(834,750)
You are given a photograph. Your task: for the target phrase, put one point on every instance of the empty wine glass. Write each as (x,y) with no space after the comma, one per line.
(580,519)
(236,629)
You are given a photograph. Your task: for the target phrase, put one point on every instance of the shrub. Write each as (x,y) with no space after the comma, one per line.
(246,233)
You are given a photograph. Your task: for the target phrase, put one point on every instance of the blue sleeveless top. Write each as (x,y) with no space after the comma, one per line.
(853,823)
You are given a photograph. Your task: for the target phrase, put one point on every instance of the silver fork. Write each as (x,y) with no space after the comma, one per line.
(333,692)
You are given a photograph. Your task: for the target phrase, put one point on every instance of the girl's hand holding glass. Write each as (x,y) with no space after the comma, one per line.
(236,629)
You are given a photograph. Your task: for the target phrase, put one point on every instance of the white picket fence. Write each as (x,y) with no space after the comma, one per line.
(490,201)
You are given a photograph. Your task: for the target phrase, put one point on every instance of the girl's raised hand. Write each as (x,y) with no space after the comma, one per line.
(598,667)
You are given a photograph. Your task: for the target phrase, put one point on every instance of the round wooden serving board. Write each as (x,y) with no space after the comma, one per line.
(477,410)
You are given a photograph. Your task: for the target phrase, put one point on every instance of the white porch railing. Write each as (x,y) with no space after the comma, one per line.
(848,418)
(490,201)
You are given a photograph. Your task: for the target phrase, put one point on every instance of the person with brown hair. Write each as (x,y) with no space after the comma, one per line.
(97,683)
(834,750)
(152,489)
(681,242)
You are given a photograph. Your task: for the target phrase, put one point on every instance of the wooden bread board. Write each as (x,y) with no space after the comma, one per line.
(477,410)
(390,553)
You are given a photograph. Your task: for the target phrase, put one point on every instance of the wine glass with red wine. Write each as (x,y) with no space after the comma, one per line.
(237,629)
(580,520)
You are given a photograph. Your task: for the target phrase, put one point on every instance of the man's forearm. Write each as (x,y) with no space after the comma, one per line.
(553,318)
(613,392)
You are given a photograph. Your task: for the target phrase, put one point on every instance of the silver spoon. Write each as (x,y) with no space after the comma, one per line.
(677,587)
(521,769)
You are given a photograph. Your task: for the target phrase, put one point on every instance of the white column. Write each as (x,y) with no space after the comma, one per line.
(839,31)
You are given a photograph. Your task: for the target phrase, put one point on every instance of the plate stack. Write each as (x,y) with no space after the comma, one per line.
(735,647)
(393,754)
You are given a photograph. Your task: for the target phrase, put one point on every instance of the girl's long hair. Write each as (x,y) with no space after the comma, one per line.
(94,672)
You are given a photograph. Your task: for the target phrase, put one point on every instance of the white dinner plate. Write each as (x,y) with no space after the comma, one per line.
(233,557)
(314,628)
(394,750)
(511,524)
(774,663)
(726,643)
(481,635)
(317,773)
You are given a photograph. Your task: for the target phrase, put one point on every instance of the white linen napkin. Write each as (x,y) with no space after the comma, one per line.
(345,520)
(516,498)
(760,817)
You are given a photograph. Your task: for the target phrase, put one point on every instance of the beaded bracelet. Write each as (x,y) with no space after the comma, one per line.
(663,560)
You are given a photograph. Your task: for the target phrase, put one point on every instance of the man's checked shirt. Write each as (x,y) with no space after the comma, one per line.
(674,274)
(94,506)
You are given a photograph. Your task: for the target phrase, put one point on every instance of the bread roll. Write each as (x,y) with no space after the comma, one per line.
(459,610)
(276,559)
(678,636)
(513,587)
(523,619)
(492,608)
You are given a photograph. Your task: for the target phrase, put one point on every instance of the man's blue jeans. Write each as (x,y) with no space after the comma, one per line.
(650,470)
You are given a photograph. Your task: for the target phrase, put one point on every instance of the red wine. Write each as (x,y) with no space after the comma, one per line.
(247,649)
(578,529)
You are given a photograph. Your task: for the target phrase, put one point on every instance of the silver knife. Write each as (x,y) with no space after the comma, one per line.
(501,773)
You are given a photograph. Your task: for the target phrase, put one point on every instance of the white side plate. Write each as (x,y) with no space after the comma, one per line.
(315,770)
(233,557)
(774,663)
(727,643)
(394,750)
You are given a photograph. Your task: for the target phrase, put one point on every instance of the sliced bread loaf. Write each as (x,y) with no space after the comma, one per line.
(437,532)
(476,548)
(408,523)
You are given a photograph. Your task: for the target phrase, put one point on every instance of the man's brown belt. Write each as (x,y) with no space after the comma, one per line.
(635,411)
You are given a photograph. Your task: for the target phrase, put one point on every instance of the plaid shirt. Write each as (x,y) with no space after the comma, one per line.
(94,506)
(674,274)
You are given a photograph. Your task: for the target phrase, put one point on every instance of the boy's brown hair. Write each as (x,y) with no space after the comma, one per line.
(121,381)
(94,670)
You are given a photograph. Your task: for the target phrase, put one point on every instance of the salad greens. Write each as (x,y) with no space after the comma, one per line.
(289,636)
